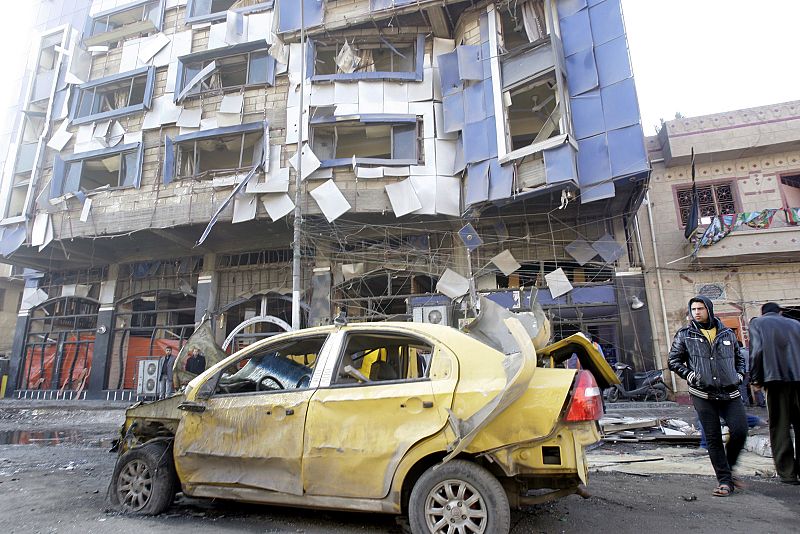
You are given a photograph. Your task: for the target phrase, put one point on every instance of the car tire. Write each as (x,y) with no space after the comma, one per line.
(613,394)
(458,493)
(144,480)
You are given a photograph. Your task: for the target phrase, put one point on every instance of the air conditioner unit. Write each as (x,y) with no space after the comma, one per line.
(147,383)
(432,315)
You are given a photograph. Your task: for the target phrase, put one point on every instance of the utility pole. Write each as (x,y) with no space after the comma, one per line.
(298,179)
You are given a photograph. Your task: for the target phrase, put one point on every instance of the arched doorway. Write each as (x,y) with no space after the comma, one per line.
(59,344)
(144,325)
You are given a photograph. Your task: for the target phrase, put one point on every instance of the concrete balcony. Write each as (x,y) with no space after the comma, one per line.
(777,244)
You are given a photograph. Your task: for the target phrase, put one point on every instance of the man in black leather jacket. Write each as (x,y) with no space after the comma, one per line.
(775,344)
(705,354)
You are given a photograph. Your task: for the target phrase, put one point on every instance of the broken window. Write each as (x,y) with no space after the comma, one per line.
(790,187)
(120,166)
(273,367)
(225,69)
(203,155)
(523,23)
(117,24)
(113,96)
(207,10)
(533,113)
(369,59)
(382,296)
(383,357)
(369,142)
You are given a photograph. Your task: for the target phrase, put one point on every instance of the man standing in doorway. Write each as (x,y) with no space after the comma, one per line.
(775,349)
(196,363)
(706,355)
(165,374)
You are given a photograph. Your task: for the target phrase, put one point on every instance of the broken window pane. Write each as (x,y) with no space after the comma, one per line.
(204,158)
(117,96)
(207,9)
(366,56)
(118,24)
(533,113)
(373,141)
(120,169)
(233,71)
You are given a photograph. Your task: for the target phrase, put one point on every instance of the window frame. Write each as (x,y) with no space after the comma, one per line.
(171,159)
(222,53)
(150,72)
(371,120)
(338,360)
(60,166)
(92,39)
(413,76)
(679,188)
(220,15)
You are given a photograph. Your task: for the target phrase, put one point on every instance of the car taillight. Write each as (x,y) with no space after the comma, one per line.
(587,399)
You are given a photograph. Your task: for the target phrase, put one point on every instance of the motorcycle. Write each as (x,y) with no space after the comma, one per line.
(648,385)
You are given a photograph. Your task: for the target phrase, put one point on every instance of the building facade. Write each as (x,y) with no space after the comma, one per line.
(746,249)
(155,178)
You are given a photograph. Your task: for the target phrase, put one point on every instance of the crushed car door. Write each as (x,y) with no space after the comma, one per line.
(388,391)
(249,431)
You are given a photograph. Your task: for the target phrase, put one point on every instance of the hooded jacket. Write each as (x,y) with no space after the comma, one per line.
(713,370)
(774,349)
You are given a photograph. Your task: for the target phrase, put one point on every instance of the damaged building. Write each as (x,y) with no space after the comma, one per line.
(427,149)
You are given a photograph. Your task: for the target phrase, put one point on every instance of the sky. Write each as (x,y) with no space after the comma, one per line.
(693,57)
(698,57)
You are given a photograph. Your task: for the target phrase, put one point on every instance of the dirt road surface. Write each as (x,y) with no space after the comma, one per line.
(54,472)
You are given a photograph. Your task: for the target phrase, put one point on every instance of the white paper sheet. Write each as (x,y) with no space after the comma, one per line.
(244,208)
(558,283)
(452,284)
(278,205)
(310,162)
(330,200)
(403,197)
(190,118)
(506,262)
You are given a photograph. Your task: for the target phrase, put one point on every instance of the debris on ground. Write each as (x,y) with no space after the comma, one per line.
(617,428)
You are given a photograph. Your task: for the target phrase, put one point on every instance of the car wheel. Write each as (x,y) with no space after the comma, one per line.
(458,496)
(144,480)
(613,395)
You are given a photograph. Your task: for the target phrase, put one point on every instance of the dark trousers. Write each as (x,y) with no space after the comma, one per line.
(732,412)
(783,404)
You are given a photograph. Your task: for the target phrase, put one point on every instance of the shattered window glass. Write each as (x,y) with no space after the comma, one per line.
(205,158)
(110,170)
(364,57)
(252,68)
(369,141)
(138,19)
(112,96)
(272,367)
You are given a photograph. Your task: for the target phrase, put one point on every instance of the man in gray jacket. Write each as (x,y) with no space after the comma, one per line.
(775,351)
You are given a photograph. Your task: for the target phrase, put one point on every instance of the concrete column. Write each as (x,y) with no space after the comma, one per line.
(103,338)
(17,352)
(206,295)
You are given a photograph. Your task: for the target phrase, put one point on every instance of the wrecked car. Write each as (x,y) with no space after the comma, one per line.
(398,418)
